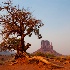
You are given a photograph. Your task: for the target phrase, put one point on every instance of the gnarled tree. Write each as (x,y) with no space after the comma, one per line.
(19,22)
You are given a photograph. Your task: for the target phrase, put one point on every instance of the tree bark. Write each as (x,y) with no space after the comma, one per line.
(22,44)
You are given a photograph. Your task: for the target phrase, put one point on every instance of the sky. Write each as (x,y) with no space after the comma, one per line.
(55,14)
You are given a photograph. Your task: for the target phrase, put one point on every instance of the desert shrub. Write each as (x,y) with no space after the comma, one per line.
(2,59)
(58,58)
(49,55)
(39,54)
(68,58)
(1,62)
(61,58)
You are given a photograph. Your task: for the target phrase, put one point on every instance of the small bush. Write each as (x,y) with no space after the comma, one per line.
(1,62)
(49,55)
(40,54)
(2,59)
(58,58)
(61,58)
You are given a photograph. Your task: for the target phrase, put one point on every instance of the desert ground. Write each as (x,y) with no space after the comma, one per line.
(56,63)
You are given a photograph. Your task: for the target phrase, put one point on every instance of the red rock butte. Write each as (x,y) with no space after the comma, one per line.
(46,47)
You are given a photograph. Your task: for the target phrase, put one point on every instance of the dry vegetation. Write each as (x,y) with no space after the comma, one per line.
(35,63)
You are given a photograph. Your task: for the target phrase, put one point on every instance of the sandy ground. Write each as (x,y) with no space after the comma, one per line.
(24,64)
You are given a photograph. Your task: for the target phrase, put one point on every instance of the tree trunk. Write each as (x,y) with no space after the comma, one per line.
(20,48)
(22,44)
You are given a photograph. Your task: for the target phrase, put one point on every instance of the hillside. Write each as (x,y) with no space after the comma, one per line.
(63,63)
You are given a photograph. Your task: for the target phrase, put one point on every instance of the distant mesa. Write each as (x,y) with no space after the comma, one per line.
(46,47)
(7,52)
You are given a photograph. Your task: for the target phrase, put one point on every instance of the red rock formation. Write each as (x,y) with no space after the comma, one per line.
(46,46)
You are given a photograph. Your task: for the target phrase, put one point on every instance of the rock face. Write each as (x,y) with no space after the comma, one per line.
(46,46)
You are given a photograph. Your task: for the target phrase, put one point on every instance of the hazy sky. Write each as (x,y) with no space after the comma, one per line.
(55,14)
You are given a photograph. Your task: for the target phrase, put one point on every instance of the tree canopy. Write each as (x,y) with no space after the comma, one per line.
(10,43)
(19,22)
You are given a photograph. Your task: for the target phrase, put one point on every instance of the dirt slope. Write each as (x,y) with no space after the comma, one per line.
(24,64)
